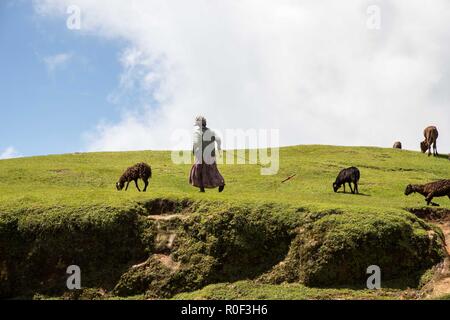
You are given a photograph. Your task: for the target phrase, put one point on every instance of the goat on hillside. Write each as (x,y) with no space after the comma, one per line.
(349,175)
(140,170)
(439,188)
(431,134)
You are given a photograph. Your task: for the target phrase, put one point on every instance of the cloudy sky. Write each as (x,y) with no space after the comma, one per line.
(322,72)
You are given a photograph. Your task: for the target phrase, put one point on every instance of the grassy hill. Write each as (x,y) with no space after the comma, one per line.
(52,206)
(89,178)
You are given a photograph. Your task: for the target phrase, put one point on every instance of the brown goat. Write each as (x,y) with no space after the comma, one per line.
(431,134)
(439,188)
(397,145)
(139,170)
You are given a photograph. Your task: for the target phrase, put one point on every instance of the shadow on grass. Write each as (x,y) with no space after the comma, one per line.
(354,194)
(444,156)
(439,156)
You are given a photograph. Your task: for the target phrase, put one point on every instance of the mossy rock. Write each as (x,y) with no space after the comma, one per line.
(338,248)
(150,278)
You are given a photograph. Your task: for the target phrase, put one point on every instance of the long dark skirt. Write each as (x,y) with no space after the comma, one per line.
(206,176)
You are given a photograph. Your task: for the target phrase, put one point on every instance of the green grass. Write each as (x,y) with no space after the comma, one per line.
(52,205)
(249,290)
(88,179)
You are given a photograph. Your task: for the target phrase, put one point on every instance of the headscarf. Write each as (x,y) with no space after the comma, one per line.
(200,121)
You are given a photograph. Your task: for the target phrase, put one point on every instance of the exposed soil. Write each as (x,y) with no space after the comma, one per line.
(168,262)
(440,284)
(165,207)
(166,223)
(166,216)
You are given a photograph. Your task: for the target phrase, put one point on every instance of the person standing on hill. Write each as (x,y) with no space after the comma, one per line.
(204,173)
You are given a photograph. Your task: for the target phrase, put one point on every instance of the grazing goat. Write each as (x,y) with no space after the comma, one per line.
(397,145)
(349,175)
(439,188)
(139,170)
(431,134)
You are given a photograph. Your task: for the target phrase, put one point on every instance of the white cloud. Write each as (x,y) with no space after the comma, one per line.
(310,68)
(9,153)
(57,61)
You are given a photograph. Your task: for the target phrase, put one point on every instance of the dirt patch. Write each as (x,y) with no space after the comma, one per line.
(445,227)
(431,214)
(168,262)
(440,283)
(60,171)
(166,216)
(438,217)
(165,206)
(166,231)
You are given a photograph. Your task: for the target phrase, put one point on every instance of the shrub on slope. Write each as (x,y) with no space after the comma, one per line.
(336,249)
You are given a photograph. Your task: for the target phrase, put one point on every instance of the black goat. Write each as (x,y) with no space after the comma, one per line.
(349,175)
(139,170)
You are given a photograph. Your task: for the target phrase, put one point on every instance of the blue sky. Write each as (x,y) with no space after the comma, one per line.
(46,102)
(317,71)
